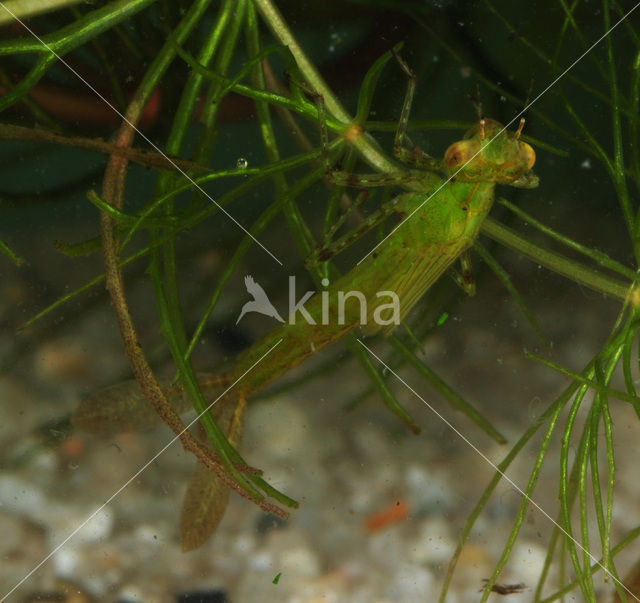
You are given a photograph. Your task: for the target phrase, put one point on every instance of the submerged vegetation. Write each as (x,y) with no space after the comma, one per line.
(177,73)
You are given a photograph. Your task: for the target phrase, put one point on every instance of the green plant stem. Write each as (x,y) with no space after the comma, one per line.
(64,40)
(283,33)
(263,220)
(386,395)
(593,384)
(456,401)
(26,9)
(259,175)
(163,269)
(596,255)
(634,141)
(551,414)
(223,40)
(621,546)
(222,462)
(12,255)
(618,169)
(571,269)
(525,504)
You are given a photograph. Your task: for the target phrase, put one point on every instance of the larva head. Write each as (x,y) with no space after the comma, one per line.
(489,153)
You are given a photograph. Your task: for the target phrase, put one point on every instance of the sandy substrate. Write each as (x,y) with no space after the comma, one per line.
(344,467)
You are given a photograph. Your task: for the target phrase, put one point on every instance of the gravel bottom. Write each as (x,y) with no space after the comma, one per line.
(380,509)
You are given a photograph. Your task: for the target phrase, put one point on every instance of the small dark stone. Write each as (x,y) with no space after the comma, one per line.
(269,522)
(215,595)
(232,339)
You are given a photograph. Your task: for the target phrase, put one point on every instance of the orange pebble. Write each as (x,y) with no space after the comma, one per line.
(73,448)
(398,511)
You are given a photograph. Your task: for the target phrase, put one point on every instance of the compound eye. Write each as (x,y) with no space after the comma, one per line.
(458,153)
(528,154)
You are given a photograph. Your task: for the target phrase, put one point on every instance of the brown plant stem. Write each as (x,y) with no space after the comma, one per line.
(148,158)
(112,191)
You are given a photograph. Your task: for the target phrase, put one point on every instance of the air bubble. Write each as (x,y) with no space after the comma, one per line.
(242,163)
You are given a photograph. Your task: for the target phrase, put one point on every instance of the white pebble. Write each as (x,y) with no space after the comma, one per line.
(66,562)
(20,496)
(280,430)
(261,561)
(429,491)
(527,561)
(301,561)
(433,544)
(69,525)
(412,583)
